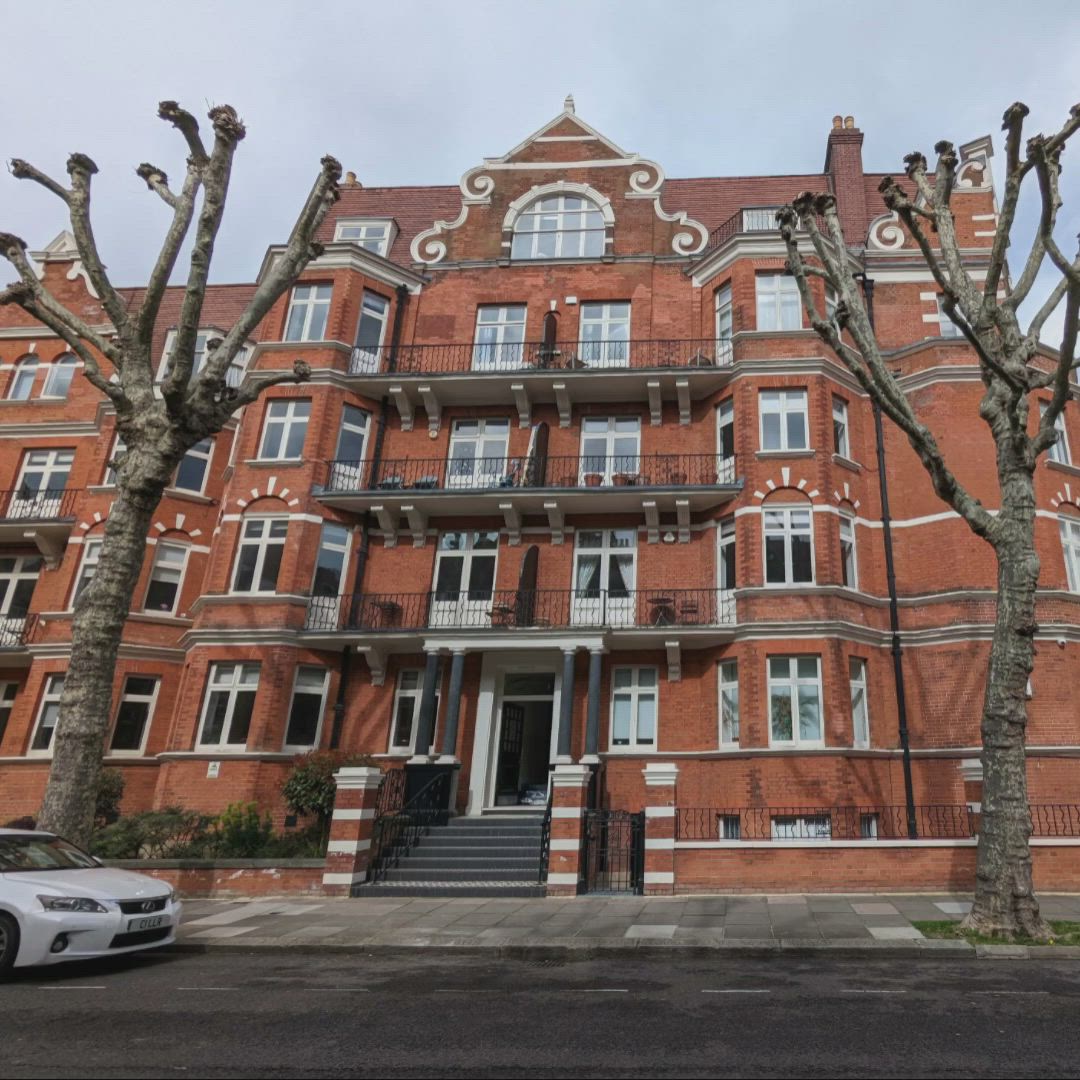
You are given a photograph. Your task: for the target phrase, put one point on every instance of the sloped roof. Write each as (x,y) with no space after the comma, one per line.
(222,306)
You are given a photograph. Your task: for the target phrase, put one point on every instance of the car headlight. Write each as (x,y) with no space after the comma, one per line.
(72,903)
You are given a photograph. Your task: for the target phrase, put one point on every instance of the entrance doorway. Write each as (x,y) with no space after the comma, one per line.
(524,746)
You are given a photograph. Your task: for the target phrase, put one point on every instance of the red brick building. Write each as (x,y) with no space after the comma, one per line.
(572,481)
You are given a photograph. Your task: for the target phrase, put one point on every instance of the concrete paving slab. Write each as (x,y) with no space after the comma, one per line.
(651,930)
(894,933)
(954,907)
(874,909)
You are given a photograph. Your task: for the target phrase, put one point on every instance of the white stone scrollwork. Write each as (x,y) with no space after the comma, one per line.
(886,232)
(646,183)
(477,188)
(973,175)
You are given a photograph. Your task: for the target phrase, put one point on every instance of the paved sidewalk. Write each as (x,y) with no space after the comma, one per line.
(769,923)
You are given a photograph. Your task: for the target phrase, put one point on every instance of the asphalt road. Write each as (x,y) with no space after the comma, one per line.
(277,1013)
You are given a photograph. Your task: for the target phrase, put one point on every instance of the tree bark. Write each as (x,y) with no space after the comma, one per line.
(97,627)
(1005,903)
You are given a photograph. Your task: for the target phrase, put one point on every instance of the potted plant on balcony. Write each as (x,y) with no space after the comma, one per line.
(624,479)
(594,479)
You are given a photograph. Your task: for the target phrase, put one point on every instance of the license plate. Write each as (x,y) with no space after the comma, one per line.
(146,924)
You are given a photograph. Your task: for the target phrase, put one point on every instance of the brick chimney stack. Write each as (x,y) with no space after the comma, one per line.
(843,164)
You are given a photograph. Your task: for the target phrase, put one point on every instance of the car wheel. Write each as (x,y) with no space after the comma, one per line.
(9,942)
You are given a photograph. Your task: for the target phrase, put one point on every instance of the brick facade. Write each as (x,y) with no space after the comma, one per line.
(667,248)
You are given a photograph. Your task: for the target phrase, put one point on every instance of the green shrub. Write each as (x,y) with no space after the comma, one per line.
(310,788)
(109,793)
(172,832)
(239,833)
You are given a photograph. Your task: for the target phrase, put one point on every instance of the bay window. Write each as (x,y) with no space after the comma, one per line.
(789,545)
(230,702)
(778,304)
(784,422)
(795,701)
(309,309)
(258,558)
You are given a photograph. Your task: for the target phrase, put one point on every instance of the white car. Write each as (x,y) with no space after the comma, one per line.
(59,903)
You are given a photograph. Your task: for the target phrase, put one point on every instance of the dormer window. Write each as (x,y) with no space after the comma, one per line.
(559,227)
(373,236)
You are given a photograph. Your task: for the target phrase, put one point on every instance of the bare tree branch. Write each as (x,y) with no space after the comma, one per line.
(23,170)
(157,181)
(187,125)
(1047,435)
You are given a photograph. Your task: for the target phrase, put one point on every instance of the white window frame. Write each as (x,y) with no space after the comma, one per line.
(783,403)
(798,828)
(485,469)
(40,500)
(62,369)
(118,447)
(158,563)
(724,315)
(860,703)
(463,609)
(50,697)
(571,242)
(727,672)
(725,462)
(206,456)
(793,682)
(636,692)
(849,558)
(23,570)
(948,329)
(23,366)
(604,609)
(325,673)
(1069,528)
(9,693)
(841,437)
(233,687)
(91,556)
(233,376)
(312,296)
(375,308)
(416,693)
(283,411)
(505,350)
(789,531)
(612,347)
(776,296)
(150,700)
(615,460)
(1059,451)
(263,541)
(726,537)
(372,234)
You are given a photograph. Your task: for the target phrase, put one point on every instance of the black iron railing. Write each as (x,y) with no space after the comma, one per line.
(545,839)
(396,833)
(24,504)
(825,823)
(500,473)
(521,609)
(16,631)
(460,357)
(391,792)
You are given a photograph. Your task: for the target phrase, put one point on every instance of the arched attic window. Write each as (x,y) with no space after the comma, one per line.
(58,381)
(22,381)
(560,226)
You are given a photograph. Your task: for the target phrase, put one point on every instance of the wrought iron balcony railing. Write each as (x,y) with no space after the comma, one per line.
(477,357)
(16,630)
(46,504)
(513,609)
(483,473)
(933,822)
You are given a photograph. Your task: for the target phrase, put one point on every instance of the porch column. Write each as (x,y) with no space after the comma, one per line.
(563,755)
(351,828)
(570,785)
(453,707)
(425,727)
(660,812)
(592,724)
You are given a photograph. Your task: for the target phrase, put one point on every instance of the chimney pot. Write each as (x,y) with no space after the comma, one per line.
(849,121)
(350,178)
(837,122)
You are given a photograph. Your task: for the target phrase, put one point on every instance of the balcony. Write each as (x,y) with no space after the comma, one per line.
(15,633)
(665,611)
(531,485)
(46,517)
(529,373)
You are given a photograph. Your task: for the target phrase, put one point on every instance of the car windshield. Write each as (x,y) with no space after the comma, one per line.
(27,852)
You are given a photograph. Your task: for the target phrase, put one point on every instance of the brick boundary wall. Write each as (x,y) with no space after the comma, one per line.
(857,866)
(232,878)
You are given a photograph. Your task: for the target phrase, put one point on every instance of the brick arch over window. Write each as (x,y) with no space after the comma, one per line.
(787,480)
(844,495)
(270,491)
(524,205)
(1065,498)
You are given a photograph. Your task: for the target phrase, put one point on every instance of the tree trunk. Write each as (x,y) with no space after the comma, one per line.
(97,627)
(1005,903)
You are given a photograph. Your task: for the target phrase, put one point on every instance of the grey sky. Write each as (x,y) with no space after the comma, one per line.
(417,92)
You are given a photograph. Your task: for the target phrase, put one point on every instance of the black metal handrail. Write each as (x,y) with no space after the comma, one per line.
(520,609)
(502,472)
(396,833)
(391,794)
(16,630)
(23,504)
(933,822)
(545,839)
(615,354)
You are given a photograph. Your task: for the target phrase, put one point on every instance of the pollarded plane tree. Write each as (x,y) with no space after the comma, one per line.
(158,425)
(1014,367)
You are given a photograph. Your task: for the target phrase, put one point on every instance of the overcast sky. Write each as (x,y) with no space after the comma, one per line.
(417,92)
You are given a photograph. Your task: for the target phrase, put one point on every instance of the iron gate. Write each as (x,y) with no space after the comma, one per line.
(613,852)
